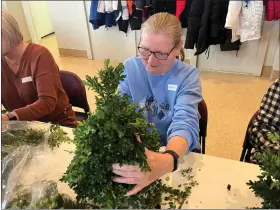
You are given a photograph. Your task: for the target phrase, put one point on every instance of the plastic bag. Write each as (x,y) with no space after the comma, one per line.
(30,168)
(40,195)
(12,166)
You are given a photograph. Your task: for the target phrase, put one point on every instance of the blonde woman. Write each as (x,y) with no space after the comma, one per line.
(170,89)
(30,82)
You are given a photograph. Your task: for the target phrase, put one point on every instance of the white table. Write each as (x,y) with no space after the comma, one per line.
(212,173)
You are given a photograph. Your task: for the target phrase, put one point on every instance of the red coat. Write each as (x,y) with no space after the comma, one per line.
(180,6)
(272,10)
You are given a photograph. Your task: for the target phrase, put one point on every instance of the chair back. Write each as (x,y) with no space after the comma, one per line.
(247,147)
(74,89)
(203,111)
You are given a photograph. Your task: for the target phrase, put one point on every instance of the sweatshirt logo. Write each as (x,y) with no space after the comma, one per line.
(172,87)
(154,109)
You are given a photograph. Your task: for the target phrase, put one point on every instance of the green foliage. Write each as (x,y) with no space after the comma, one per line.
(108,137)
(33,137)
(57,136)
(274,137)
(16,138)
(268,185)
(47,195)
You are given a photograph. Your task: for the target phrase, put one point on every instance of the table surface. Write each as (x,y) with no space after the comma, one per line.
(213,175)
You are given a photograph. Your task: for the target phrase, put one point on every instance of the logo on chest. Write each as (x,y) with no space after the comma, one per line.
(159,110)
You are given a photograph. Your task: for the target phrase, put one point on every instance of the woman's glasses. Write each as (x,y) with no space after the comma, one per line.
(161,56)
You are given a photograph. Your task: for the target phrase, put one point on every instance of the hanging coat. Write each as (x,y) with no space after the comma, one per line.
(164,6)
(121,10)
(122,15)
(98,19)
(129,6)
(135,19)
(140,4)
(205,24)
(245,20)
(180,6)
(185,14)
(272,10)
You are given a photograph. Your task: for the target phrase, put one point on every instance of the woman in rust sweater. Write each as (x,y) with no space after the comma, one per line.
(31,86)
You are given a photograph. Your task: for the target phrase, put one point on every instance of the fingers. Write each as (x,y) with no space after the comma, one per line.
(138,138)
(117,166)
(135,174)
(126,180)
(135,190)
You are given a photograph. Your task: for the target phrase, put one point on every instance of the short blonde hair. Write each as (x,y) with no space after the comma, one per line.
(10,29)
(168,24)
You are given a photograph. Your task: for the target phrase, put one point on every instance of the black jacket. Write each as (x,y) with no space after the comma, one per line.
(206,24)
(164,6)
(185,14)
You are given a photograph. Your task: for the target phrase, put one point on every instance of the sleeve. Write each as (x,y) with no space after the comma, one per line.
(232,19)
(47,79)
(268,120)
(185,122)
(234,8)
(194,23)
(215,23)
(139,4)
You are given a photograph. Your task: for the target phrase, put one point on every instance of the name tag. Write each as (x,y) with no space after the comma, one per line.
(26,79)
(172,87)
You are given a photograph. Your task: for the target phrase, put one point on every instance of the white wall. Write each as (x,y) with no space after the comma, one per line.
(41,17)
(15,9)
(273,43)
(70,25)
(276,64)
(250,58)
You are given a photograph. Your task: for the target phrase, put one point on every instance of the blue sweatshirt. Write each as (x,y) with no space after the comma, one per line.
(170,100)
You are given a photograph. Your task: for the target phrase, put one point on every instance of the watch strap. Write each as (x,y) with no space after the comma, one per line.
(175,158)
(11,116)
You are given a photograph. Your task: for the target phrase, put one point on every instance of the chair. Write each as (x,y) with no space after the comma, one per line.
(247,147)
(76,93)
(202,108)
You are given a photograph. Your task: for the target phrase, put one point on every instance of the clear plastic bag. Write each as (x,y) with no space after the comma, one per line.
(40,195)
(12,166)
(31,170)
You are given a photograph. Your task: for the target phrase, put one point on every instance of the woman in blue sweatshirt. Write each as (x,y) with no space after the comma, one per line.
(170,90)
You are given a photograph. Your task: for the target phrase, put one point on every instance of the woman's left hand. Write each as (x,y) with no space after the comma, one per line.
(159,163)
(4,117)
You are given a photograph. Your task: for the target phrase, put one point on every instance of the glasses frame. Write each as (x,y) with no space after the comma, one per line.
(154,52)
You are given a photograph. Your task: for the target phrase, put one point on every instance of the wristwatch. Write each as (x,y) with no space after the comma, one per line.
(175,158)
(11,116)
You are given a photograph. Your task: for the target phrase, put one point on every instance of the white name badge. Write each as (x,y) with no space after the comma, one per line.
(172,87)
(26,79)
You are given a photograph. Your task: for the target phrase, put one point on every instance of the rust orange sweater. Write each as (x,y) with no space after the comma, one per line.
(35,92)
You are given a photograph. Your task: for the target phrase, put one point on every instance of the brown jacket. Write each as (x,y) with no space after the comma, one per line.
(35,92)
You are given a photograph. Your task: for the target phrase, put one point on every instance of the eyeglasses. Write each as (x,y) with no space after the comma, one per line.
(161,56)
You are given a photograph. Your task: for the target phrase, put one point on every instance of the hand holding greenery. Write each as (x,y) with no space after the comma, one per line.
(108,137)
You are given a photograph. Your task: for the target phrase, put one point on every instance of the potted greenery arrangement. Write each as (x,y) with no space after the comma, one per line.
(109,136)
(268,185)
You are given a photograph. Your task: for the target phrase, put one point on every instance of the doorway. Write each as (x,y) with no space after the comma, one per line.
(40,25)
(41,18)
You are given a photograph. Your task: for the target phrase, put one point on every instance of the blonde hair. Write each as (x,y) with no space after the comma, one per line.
(168,24)
(10,29)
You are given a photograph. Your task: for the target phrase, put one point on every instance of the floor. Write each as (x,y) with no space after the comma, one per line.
(231,100)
